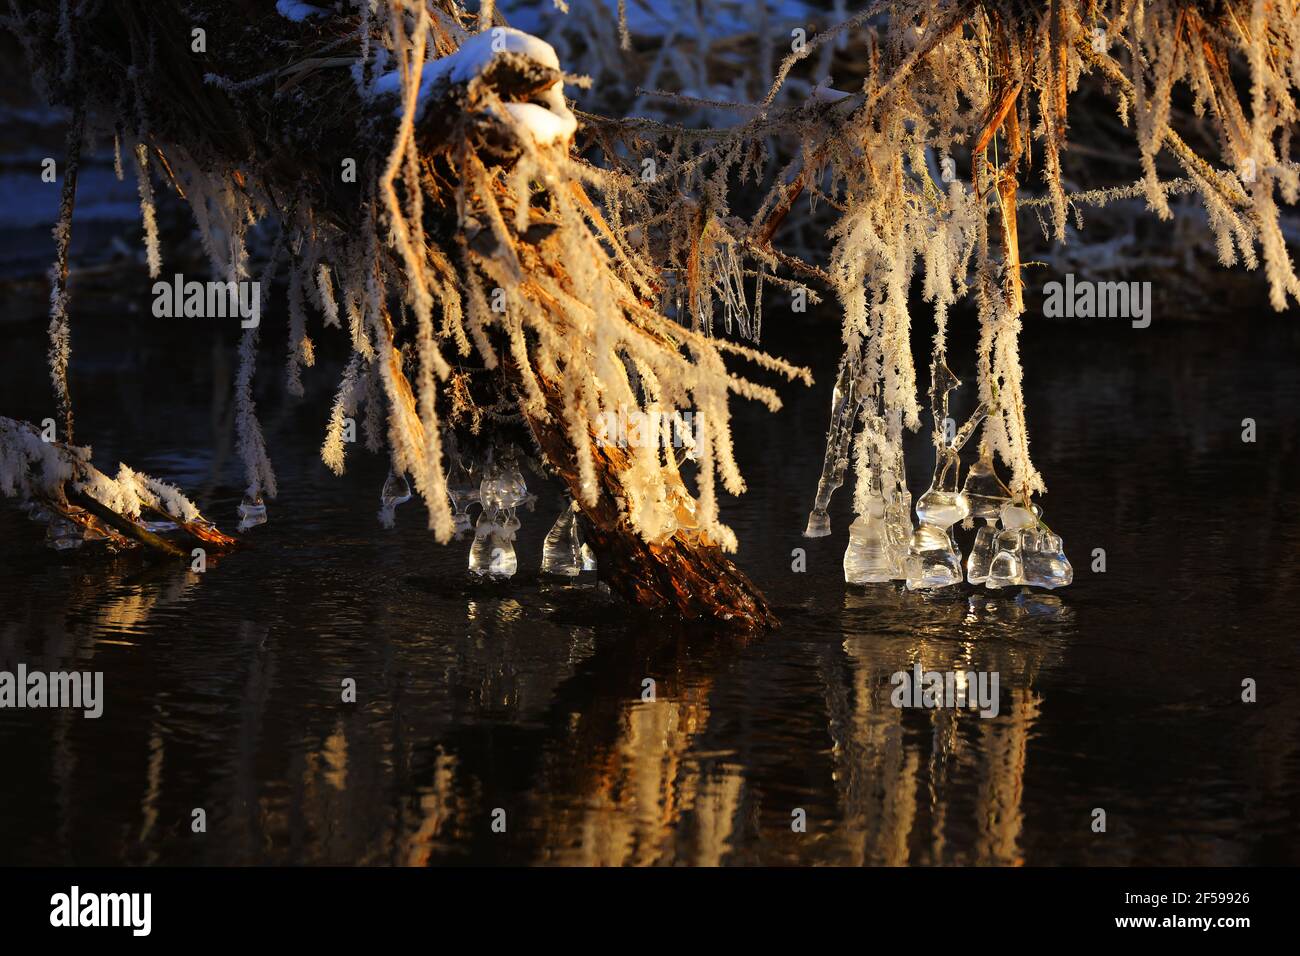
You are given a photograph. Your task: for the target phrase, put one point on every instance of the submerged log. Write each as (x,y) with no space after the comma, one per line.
(124,526)
(687,574)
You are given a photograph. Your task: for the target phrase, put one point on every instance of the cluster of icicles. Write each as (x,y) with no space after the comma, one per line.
(1013,546)
(497,486)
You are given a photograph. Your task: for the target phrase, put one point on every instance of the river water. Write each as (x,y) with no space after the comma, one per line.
(222,690)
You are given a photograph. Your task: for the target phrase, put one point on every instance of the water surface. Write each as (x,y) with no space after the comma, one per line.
(1121,692)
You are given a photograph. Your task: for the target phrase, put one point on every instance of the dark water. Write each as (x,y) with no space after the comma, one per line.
(1121,692)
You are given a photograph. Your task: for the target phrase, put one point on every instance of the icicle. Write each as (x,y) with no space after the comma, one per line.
(844,408)
(252,512)
(934,560)
(561,551)
(986,494)
(396,491)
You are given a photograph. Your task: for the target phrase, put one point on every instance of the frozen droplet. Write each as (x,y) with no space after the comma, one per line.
(1045,564)
(396,491)
(62,534)
(1006,569)
(1019,538)
(511,487)
(35,511)
(463,488)
(560,551)
(942,508)
(480,554)
(984,490)
(493,550)
(933,560)
(1015,517)
(981,553)
(819,524)
(489,487)
(252,512)
(868,558)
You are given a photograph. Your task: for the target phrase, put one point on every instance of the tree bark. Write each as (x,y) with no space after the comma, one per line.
(686,575)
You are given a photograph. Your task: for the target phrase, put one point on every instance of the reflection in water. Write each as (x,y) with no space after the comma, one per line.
(224,689)
(961,772)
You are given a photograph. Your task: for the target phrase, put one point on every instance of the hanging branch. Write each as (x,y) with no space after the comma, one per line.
(60,332)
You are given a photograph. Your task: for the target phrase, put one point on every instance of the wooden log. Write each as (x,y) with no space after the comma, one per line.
(123,526)
(687,575)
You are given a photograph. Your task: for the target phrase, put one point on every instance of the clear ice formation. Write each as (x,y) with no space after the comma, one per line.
(252,512)
(1043,562)
(934,560)
(871,557)
(511,489)
(62,534)
(565,552)
(844,408)
(396,491)
(500,492)
(1012,547)
(1027,553)
(562,552)
(463,490)
(881,534)
(986,494)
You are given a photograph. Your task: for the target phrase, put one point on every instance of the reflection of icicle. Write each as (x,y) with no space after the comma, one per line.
(844,406)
